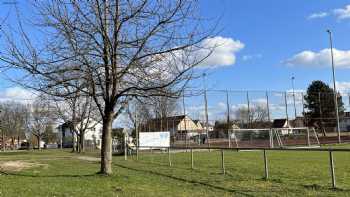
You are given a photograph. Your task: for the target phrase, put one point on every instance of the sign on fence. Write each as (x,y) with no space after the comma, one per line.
(154,139)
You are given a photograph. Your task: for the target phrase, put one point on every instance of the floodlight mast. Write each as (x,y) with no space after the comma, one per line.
(334,86)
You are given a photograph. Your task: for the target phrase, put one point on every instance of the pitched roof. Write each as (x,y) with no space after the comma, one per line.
(279,123)
(167,122)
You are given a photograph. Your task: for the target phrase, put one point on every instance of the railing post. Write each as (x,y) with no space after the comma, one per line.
(266,166)
(169,158)
(192,162)
(223,161)
(331,162)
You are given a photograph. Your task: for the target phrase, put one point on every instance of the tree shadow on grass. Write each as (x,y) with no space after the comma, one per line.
(47,176)
(240,192)
(320,187)
(215,171)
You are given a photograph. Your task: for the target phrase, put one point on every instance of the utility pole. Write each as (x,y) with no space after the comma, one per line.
(334,87)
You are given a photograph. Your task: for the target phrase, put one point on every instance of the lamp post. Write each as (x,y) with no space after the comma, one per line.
(295,109)
(206,109)
(334,87)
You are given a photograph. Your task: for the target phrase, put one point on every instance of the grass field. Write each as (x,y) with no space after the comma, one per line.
(57,173)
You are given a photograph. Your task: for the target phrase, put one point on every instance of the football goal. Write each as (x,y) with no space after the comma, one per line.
(273,137)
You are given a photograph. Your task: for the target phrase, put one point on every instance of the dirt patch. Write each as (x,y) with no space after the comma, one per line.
(88,158)
(16,166)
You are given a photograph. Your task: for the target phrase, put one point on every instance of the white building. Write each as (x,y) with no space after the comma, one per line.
(344,122)
(92,137)
(283,125)
(177,126)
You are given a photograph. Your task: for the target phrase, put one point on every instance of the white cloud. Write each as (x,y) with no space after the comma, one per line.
(317,15)
(17,94)
(320,59)
(339,13)
(223,54)
(342,13)
(342,87)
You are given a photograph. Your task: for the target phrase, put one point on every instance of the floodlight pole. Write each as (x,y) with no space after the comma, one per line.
(206,110)
(334,86)
(295,109)
(184,111)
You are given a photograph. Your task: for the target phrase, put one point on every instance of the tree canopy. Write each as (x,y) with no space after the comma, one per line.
(319,102)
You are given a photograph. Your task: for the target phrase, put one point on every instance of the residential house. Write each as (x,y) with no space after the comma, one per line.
(178,126)
(283,125)
(92,137)
(344,122)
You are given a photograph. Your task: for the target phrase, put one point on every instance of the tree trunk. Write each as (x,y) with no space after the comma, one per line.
(3,140)
(106,149)
(74,141)
(77,145)
(39,139)
(12,143)
(81,142)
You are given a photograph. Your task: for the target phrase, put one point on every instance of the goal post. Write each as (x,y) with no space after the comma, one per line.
(297,137)
(274,137)
(245,138)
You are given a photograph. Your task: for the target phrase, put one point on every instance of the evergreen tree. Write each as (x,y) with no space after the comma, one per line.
(319,102)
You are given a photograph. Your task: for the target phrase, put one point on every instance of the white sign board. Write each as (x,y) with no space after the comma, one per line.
(154,139)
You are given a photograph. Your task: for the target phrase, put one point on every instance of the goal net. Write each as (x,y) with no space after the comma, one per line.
(296,137)
(251,138)
(274,137)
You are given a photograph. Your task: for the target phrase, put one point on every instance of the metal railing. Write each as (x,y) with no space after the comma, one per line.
(264,150)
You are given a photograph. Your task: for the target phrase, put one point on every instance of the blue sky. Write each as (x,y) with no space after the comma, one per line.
(272,32)
(264,44)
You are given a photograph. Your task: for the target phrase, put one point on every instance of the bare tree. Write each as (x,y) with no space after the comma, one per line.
(119,49)
(81,113)
(254,117)
(39,118)
(142,110)
(12,119)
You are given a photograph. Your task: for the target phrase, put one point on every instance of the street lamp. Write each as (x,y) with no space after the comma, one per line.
(295,109)
(334,87)
(206,108)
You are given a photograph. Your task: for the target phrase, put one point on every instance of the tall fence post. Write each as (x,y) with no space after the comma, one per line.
(223,162)
(286,105)
(266,166)
(229,138)
(228,119)
(137,136)
(192,162)
(169,157)
(248,110)
(331,162)
(206,117)
(308,136)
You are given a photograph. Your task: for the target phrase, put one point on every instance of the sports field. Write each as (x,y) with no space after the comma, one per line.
(57,173)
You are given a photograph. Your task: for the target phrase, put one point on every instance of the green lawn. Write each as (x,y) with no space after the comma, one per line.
(60,173)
